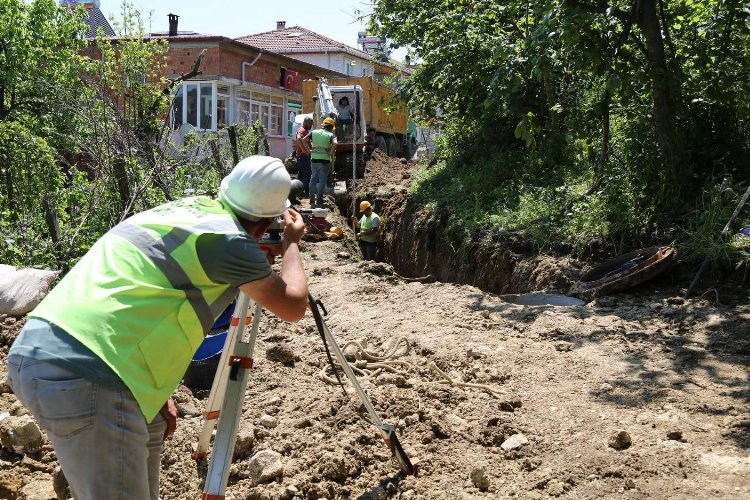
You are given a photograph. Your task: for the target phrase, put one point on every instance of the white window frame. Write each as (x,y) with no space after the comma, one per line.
(263,102)
(185,92)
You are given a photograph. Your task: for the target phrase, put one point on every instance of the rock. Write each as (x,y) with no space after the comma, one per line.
(265,466)
(343,255)
(479,478)
(4,386)
(39,488)
(514,442)
(281,353)
(60,484)
(510,405)
(456,422)
(21,434)
(620,440)
(563,346)
(351,352)
(291,491)
(479,352)
(334,466)
(605,387)
(674,434)
(244,441)
(555,488)
(275,401)
(269,421)
(408,495)
(10,484)
(629,484)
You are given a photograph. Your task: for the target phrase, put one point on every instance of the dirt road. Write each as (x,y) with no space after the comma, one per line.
(641,395)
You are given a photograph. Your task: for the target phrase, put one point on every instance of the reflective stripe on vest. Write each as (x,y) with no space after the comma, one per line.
(140,299)
(159,251)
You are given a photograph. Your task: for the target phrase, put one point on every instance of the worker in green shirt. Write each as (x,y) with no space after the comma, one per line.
(369,230)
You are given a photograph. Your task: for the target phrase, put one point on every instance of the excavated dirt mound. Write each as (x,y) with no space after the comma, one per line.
(632,396)
(640,395)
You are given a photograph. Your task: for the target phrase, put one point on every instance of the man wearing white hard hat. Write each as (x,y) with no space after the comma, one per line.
(99,357)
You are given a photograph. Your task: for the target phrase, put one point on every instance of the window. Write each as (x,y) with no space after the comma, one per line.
(282,77)
(294,108)
(177,107)
(276,113)
(194,104)
(206,107)
(222,106)
(243,112)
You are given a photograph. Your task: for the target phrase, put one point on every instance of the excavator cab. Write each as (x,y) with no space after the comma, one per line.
(345,104)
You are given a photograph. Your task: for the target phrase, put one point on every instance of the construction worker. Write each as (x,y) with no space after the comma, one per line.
(99,357)
(302,148)
(323,147)
(369,230)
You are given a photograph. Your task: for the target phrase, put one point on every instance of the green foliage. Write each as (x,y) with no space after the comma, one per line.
(701,234)
(588,120)
(83,141)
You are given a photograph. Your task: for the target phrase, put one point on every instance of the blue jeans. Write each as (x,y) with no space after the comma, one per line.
(104,445)
(305,172)
(318,181)
(368,249)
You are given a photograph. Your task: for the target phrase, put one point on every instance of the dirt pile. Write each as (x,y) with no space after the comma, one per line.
(495,400)
(640,395)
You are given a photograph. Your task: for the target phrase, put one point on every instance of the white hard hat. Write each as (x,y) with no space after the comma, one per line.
(257,186)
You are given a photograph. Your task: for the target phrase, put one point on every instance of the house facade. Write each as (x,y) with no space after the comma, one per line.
(238,84)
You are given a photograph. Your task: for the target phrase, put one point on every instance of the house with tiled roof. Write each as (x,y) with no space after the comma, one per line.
(239,83)
(311,47)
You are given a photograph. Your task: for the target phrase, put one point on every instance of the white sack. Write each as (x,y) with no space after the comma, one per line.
(21,289)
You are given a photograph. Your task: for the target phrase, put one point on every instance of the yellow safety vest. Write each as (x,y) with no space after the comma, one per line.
(321,143)
(140,299)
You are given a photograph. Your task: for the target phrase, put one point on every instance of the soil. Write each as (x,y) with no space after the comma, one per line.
(637,395)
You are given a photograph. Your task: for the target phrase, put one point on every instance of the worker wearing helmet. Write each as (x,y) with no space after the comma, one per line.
(369,230)
(323,146)
(99,357)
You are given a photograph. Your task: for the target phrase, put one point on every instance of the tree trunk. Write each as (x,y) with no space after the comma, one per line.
(123,186)
(670,140)
(604,157)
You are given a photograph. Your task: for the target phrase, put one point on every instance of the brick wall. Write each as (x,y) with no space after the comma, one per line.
(225,62)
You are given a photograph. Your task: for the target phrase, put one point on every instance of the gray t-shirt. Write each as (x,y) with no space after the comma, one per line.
(233,259)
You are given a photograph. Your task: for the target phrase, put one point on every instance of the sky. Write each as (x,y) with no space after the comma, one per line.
(336,19)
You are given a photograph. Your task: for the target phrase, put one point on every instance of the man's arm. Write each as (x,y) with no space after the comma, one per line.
(284,295)
(302,143)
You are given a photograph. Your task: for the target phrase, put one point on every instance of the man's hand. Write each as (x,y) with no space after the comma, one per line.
(169,412)
(294,227)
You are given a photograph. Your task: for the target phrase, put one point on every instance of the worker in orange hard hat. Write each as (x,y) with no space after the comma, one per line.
(369,230)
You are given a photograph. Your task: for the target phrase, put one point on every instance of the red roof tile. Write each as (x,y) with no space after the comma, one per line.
(298,39)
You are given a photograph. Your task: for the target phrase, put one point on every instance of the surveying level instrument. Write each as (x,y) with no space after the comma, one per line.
(224,406)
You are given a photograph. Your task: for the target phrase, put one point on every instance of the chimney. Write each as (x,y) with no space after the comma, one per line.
(173,24)
(280,25)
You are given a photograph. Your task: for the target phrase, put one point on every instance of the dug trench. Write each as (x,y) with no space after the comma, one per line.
(636,395)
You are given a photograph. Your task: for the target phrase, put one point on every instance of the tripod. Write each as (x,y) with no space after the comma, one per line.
(225,400)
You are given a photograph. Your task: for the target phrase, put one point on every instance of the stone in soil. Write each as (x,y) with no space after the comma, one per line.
(620,440)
